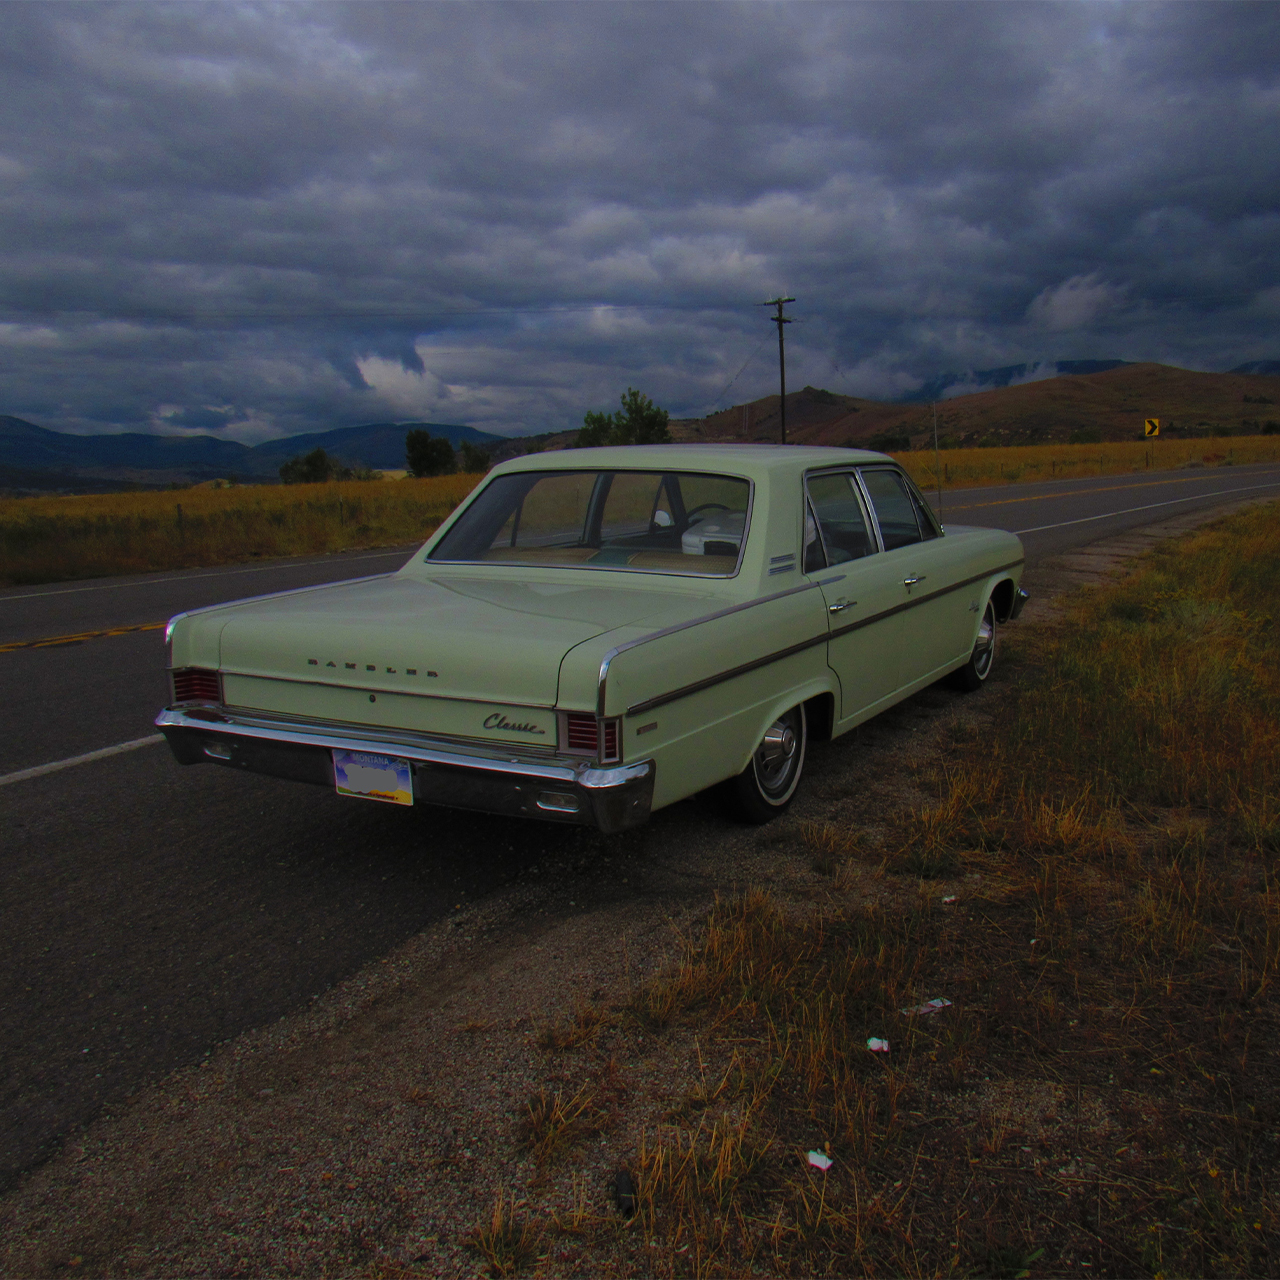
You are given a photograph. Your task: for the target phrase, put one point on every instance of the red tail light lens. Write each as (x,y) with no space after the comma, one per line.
(585,735)
(196,684)
(582,733)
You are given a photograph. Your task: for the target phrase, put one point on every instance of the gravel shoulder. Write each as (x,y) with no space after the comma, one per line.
(372,1131)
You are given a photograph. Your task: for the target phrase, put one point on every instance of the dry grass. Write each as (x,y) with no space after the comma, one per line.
(56,538)
(965,468)
(1099,1095)
(507,1243)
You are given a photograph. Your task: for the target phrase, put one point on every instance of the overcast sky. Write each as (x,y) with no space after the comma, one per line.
(266,219)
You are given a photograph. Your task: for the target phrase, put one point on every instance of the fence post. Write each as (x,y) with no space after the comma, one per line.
(181,531)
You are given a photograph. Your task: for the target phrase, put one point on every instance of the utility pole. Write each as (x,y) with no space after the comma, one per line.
(780,320)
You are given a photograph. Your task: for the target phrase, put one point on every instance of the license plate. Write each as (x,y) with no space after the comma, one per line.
(372,777)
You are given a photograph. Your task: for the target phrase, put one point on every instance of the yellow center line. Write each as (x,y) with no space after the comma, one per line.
(1040,497)
(49,641)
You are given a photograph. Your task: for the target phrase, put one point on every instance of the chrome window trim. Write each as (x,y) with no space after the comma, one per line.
(852,470)
(929,512)
(912,489)
(428,559)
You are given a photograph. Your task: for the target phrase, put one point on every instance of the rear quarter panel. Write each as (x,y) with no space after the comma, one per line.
(708,732)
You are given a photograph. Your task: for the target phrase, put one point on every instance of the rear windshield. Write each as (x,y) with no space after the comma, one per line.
(659,521)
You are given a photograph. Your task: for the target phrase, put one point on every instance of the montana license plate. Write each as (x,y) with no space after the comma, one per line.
(372,777)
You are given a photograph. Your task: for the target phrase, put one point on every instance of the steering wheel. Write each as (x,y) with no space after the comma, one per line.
(703,506)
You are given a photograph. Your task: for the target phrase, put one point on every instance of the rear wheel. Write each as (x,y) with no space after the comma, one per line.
(973,675)
(766,786)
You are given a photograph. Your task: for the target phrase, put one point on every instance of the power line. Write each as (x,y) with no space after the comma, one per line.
(737,375)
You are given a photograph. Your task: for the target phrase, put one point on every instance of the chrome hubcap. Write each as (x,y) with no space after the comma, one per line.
(984,651)
(775,754)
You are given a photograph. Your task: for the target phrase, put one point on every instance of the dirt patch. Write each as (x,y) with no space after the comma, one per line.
(376,1130)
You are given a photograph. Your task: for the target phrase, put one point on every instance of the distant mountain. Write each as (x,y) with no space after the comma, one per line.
(33,457)
(380,444)
(1270,368)
(986,379)
(23,444)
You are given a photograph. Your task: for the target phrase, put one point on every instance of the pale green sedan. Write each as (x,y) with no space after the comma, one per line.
(599,633)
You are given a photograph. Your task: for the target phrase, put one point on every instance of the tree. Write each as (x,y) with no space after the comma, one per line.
(425,456)
(471,458)
(316,467)
(309,468)
(639,421)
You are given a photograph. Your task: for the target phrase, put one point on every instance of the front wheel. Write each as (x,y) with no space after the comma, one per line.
(973,675)
(766,786)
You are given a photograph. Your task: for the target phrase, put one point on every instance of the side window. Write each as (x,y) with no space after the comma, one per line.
(549,514)
(894,507)
(630,507)
(928,521)
(837,511)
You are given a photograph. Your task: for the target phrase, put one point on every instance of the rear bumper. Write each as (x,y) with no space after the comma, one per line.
(611,798)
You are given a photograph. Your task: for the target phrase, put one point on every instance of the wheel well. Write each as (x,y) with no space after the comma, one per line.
(820,714)
(1002,598)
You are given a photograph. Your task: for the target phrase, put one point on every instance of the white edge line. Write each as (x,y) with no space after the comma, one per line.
(1128,511)
(192,577)
(23,774)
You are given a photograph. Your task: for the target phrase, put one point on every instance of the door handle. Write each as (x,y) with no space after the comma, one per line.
(840,606)
(911,582)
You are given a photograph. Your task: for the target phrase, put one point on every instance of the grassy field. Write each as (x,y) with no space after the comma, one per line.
(966,468)
(56,538)
(1093,887)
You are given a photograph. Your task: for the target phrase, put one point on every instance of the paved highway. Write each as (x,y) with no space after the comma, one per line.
(151,911)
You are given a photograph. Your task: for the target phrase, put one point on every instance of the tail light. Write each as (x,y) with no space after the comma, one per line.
(196,684)
(586,736)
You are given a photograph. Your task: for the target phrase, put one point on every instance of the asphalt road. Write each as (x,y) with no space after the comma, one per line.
(151,912)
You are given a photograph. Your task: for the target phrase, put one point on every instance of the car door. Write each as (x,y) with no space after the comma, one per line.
(842,556)
(926,571)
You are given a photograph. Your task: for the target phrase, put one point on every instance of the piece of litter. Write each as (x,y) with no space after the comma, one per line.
(929,1006)
(878,1046)
(624,1191)
(819,1161)
(954,897)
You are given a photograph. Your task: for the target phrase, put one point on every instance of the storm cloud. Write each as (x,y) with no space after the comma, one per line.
(264,219)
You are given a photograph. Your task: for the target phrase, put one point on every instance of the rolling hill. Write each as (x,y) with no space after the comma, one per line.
(36,458)
(1112,402)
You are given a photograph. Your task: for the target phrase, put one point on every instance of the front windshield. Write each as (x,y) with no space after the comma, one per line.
(659,521)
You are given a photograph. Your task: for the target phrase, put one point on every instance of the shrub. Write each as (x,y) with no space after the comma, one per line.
(427,456)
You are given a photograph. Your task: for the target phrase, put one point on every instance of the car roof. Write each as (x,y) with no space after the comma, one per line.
(741,459)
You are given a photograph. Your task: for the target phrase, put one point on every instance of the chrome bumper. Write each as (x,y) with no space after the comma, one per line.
(611,798)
